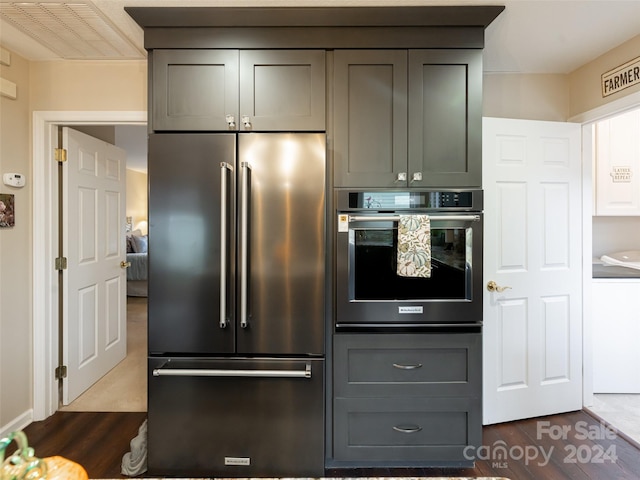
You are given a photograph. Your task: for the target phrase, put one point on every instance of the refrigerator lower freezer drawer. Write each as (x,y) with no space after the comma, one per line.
(236,417)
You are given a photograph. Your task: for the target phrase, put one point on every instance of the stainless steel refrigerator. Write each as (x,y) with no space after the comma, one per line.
(236,304)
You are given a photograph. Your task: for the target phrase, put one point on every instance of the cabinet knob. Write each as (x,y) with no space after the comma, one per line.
(416,177)
(401,177)
(246,122)
(494,287)
(231,121)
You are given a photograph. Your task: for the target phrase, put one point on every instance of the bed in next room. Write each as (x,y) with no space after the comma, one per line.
(137,271)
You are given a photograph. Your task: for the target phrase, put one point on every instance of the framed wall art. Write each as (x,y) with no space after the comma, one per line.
(7,210)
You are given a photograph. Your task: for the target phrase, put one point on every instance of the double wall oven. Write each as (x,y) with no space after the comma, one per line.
(370,294)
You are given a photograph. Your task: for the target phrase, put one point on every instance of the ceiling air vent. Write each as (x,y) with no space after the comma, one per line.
(72,30)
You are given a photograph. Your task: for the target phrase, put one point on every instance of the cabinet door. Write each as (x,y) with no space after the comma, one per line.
(445,118)
(618,165)
(194,89)
(370,111)
(282,90)
(615,330)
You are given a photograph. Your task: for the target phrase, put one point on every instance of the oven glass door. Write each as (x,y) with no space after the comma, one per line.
(373,248)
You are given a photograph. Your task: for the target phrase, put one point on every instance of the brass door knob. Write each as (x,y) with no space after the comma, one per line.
(125,264)
(494,287)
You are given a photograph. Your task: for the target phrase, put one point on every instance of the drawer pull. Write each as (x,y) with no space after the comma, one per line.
(407,367)
(407,428)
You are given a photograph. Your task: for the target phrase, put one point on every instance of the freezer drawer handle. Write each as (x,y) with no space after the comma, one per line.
(407,428)
(203,372)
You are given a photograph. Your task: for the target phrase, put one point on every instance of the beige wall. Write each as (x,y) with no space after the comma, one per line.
(556,97)
(532,97)
(106,133)
(137,198)
(15,250)
(84,85)
(585,82)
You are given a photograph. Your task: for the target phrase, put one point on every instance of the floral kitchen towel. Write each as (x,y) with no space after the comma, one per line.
(414,246)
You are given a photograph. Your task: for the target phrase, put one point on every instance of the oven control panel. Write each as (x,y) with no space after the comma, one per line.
(393,200)
(454,199)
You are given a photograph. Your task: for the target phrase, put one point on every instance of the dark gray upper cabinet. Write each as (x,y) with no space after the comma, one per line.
(370,117)
(445,118)
(194,89)
(282,89)
(229,90)
(408,118)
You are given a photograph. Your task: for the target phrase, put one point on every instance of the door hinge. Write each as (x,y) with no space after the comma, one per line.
(60,154)
(61,263)
(61,372)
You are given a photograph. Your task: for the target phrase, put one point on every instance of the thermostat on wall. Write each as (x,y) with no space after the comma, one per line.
(13,179)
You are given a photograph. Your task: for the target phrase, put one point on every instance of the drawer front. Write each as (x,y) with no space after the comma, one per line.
(401,365)
(198,424)
(416,429)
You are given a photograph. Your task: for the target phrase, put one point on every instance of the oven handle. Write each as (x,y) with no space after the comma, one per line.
(395,218)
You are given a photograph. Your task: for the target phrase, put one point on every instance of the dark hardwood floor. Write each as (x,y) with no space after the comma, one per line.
(568,446)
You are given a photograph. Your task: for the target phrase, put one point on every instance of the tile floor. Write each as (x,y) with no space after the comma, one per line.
(622,411)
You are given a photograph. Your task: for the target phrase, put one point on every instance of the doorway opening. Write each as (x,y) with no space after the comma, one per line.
(616,277)
(45,244)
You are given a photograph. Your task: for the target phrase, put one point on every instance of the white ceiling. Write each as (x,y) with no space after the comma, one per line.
(530,36)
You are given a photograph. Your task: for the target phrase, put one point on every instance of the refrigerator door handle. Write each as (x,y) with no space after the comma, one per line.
(224,239)
(244,247)
(198,372)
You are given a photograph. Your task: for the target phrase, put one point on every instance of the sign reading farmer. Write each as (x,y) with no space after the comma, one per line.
(621,77)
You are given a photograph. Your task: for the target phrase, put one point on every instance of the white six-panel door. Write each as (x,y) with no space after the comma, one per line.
(532,349)
(93,224)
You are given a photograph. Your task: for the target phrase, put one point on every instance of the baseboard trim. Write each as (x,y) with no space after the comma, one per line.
(17,423)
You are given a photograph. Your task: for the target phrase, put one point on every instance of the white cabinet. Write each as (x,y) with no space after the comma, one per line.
(616,336)
(617,178)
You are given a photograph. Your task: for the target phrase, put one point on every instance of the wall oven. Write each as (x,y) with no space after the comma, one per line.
(370,294)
